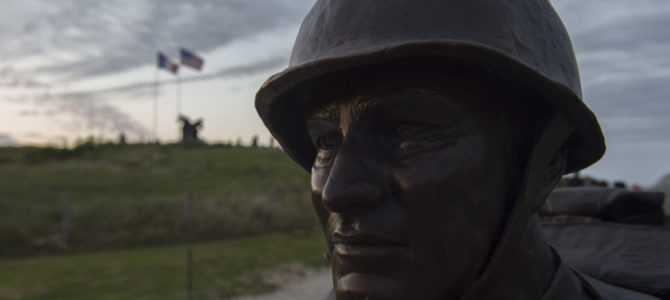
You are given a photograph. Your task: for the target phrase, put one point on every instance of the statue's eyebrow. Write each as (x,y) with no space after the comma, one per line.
(327,113)
(410,98)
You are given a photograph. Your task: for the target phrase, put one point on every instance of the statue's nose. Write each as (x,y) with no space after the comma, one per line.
(354,183)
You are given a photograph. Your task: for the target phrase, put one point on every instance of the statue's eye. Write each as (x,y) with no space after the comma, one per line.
(408,131)
(413,138)
(329,141)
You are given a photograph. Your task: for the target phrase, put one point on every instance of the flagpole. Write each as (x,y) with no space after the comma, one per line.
(178,95)
(155,125)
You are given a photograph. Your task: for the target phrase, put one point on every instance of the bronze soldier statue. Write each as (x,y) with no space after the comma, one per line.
(434,131)
(189,131)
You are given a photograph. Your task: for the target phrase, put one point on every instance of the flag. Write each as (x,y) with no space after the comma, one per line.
(165,63)
(188,58)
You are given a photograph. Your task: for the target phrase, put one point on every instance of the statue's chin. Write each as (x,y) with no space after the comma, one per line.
(358,286)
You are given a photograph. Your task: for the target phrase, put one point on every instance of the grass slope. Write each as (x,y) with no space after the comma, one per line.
(133,195)
(221,270)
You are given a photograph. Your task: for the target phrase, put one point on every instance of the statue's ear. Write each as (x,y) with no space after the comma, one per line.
(553,175)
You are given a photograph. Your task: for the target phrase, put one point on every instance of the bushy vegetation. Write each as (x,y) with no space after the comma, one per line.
(134,195)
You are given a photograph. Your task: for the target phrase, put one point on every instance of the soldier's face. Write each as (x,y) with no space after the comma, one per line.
(409,184)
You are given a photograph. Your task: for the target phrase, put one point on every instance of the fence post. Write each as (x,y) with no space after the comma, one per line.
(189,240)
(66,216)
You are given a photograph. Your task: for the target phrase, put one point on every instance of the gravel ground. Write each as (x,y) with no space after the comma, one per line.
(314,287)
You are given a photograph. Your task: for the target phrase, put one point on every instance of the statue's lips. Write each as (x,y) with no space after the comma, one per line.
(345,251)
(381,261)
(373,256)
(365,245)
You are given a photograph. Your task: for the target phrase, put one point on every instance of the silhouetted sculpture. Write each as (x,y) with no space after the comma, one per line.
(620,185)
(190,130)
(434,131)
(254,141)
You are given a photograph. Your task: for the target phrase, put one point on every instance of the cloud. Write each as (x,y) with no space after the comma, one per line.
(86,112)
(143,88)
(94,38)
(11,78)
(52,42)
(623,49)
(98,115)
(7,141)
(91,111)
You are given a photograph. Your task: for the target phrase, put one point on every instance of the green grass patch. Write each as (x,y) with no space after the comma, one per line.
(133,196)
(221,270)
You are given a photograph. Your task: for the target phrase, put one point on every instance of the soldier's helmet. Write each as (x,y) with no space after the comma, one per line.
(523,39)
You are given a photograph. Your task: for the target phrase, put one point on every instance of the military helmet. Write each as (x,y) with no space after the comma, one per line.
(524,39)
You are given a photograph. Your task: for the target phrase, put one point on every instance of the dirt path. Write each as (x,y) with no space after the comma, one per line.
(313,287)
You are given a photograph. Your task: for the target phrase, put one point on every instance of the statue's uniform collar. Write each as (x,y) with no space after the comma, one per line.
(570,284)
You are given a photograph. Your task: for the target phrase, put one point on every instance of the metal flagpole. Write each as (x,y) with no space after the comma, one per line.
(155,125)
(178,95)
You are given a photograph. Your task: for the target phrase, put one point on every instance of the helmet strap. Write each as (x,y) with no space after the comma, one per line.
(554,135)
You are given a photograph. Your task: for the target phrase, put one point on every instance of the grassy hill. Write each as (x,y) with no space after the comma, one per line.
(134,195)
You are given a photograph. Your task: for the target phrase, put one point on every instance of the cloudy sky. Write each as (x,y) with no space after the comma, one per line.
(75,68)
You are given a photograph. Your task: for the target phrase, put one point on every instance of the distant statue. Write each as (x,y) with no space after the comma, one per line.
(254,142)
(190,130)
(122,139)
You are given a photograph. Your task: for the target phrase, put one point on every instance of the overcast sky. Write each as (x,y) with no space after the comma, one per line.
(74,68)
